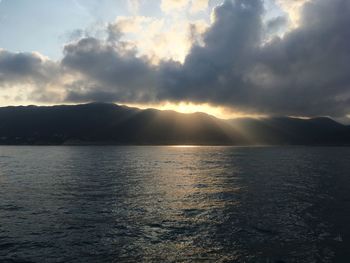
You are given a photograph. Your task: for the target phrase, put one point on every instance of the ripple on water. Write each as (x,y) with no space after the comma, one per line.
(165,204)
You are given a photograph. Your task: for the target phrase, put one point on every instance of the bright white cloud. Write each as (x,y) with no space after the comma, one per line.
(137,24)
(199,5)
(292,8)
(134,6)
(160,38)
(168,6)
(195,6)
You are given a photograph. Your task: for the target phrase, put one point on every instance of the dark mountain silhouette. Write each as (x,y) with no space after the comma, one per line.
(101,123)
(293,131)
(109,124)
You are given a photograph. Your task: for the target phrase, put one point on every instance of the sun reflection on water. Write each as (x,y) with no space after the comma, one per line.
(185,146)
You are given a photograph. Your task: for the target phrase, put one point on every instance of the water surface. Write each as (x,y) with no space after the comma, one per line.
(174,204)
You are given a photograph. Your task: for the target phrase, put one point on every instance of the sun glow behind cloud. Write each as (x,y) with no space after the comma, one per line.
(168,35)
(181,23)
(190,107)
(292,8)
(160,38)
(176,53)
(164,36)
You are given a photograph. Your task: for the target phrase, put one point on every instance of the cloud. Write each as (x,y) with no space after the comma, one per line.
(168,6)
(306,71)
(25,67)
(29,77)
(134,6)
(276,25)
(199,5)
(292,8)
(108,69)
(135,24)
(195,6)
(213,72)
(158,38)
(303,73)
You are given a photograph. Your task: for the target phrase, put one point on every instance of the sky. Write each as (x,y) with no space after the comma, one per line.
(224,57)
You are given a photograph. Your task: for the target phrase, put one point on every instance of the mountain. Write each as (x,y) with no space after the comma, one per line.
(292,131)
(102,123)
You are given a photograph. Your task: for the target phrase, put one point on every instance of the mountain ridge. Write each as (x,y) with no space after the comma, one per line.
(106,123)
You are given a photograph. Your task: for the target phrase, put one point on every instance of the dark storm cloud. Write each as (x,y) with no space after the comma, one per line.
(129,77)
(109,69)
(276,24)
(24,68)
(308,70)
(304,73)
(213,72)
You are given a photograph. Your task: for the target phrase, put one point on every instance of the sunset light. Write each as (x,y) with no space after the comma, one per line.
(189,107)
(175,131)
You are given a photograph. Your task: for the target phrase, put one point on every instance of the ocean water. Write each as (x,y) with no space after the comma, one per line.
(174,204)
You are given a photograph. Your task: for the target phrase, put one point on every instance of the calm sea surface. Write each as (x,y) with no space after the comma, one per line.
(173,204)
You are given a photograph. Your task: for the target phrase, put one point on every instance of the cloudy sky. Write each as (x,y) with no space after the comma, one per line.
(226,57)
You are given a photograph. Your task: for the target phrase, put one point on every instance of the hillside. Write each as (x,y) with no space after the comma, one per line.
(109,124)
(102,123)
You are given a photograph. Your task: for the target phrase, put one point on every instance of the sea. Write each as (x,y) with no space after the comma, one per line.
(174,204)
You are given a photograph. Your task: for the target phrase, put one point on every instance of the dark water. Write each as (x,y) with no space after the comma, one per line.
(167,204)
